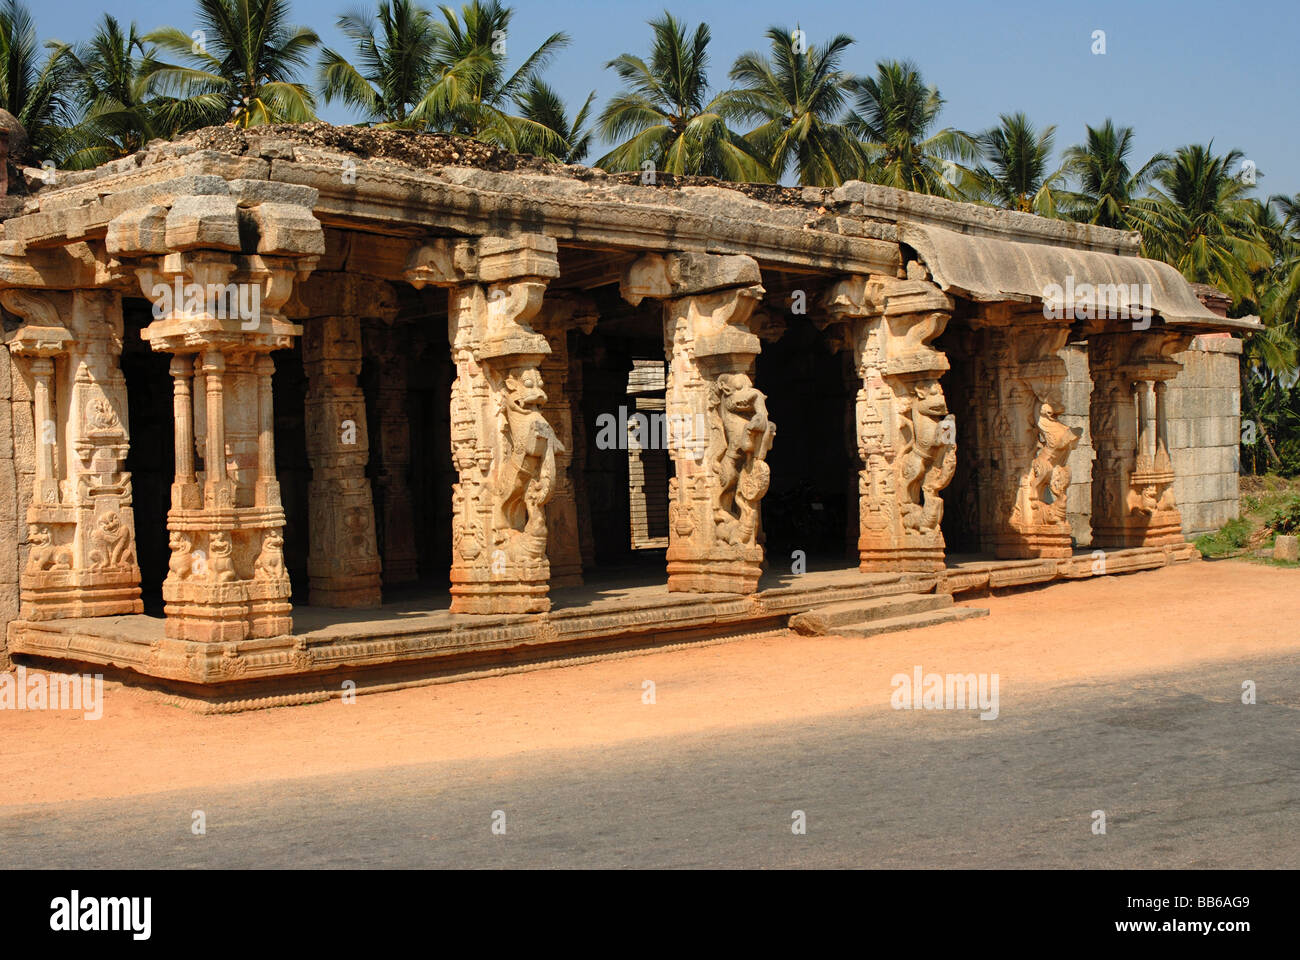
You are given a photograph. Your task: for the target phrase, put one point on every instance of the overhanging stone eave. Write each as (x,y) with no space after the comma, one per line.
(992,270)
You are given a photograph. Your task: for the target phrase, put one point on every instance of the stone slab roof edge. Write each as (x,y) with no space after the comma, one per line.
(892,204)
(990,270)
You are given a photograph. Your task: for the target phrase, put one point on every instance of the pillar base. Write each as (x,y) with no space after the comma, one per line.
(1164,528)
(480,592)
(1043,541)
(714,576)
(915,560)
(80,593)
(226,612)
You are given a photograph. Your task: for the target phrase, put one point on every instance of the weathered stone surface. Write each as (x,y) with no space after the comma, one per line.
(206,221)
(284,229)
(1286,547)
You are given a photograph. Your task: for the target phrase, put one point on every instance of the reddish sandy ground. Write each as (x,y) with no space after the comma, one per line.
(1145,623)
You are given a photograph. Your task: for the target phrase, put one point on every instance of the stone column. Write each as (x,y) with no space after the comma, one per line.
(503,447)
(389,348)
(717,423)
(343,563)
(1026,454)
(81,526)
(1132,486)
(220,308)
(185,487)
(578,465)
(906,439)
(559,315)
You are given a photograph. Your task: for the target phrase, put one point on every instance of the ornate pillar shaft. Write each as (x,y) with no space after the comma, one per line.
(267,486)
(717,423)
(389,348)
(81,526)
(1027,450)
(183,419)
(503,447)
(558,316)
(906,439)
(343,562)
(217,488)
(1162,461)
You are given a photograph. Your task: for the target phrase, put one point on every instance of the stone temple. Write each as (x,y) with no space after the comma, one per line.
(294,406)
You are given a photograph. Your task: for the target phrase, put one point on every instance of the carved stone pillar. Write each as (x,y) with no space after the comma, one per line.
(503,447)
(1132,484)
(906,439)
(343,561)
(390,348)
(220,310)
(578,465)
(717,424)
(558,316)
(1026,449)
(81,527)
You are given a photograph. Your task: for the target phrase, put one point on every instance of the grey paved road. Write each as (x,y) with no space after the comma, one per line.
(1187,775)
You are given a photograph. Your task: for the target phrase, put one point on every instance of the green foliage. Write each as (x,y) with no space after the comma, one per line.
(1285,517)
(1231,538)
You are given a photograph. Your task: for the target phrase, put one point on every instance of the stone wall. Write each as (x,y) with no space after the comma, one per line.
(1204,433)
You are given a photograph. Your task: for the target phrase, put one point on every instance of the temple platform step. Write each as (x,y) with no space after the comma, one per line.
(910,621)
(829,619)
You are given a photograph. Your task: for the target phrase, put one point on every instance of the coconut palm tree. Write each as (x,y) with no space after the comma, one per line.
(1107,185)
(394,71)
(246,56)
(112,76)
(1015,174)
(797,95)
(665,117)
(894,116)
(35,91)
(1200,218)
(473,92)
(540,104)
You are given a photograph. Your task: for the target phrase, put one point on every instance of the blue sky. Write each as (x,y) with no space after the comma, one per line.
(1178,71)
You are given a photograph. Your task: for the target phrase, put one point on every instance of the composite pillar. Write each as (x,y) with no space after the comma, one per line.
(217,310)
(81,559)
